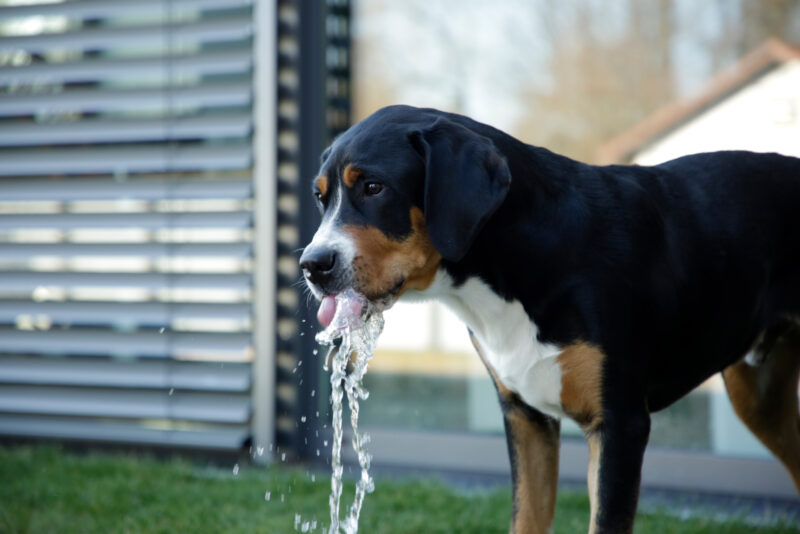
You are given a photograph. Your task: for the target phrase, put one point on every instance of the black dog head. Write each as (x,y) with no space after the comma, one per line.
(399,192)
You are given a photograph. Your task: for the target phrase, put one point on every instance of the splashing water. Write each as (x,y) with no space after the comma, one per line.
(358,323)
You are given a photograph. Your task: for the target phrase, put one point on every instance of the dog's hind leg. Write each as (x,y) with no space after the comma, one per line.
(764,397)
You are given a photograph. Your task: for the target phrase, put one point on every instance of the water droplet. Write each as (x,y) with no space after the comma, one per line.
(313,477)
(260,451)
(283,497)
(315,352)
(303,419)
(325,443)
(162,330)
(235,469)
(267,495)
(283,457)
(313,393)
(300,363)
(317,452)
(171,391)
(297,520)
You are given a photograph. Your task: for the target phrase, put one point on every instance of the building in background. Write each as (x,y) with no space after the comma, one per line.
(752,105)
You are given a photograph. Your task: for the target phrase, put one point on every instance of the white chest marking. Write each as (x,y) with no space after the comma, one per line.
(509,339)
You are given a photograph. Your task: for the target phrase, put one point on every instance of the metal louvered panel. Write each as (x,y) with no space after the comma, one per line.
(131,189)
(92,9)
(155,67)
(151,36)
(150,220)
(152,374)
(115,130)
(68,101)
(126,221)
(162,433)
(13,282)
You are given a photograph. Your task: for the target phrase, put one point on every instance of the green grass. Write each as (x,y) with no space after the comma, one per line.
(47,490)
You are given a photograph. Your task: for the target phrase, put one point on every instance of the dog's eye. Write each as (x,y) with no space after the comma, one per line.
(318,196)
(372,188)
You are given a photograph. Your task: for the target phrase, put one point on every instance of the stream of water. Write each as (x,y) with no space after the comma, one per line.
(358,325)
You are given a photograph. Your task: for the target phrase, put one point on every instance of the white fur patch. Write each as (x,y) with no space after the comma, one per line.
(508,337)
(330,235)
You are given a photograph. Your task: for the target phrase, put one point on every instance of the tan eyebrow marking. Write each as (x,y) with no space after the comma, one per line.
(322,185)
(351,174)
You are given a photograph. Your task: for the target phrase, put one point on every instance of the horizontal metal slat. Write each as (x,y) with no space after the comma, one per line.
(238,220)
(99,342)
(162,67)
(157,314)
(31,280)
(95,9)
(72,189)
(24,251)
(164,98)
(235,377)
(96,402)
(129,159)
(153,36)
(12,133)
(227,437)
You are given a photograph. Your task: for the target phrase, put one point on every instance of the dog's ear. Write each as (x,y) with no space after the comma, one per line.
(466,180)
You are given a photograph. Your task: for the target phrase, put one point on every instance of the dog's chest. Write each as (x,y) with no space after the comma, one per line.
(509,342)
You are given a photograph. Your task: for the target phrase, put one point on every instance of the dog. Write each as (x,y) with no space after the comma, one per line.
(598,293)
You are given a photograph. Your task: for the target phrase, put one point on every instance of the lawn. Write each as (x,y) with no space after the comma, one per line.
(44,489)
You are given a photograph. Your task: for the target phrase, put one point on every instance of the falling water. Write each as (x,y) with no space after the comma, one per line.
(359,334)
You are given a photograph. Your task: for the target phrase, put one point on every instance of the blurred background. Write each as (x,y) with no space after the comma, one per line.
(155,166)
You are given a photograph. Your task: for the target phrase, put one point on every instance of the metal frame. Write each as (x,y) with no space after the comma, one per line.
(265,240)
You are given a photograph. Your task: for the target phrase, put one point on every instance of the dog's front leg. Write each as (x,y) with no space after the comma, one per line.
(533,441)
(616,451)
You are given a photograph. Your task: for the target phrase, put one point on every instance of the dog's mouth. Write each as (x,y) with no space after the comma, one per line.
(356,307)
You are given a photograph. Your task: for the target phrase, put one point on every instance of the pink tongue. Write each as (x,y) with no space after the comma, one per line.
(326,311)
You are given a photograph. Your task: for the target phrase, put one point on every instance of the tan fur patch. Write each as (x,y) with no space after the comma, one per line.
(322,185)
(765,399)
(536,478)
(582,383)
(381,263)
(351,174)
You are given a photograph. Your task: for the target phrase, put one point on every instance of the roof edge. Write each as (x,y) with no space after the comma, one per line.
(620,147)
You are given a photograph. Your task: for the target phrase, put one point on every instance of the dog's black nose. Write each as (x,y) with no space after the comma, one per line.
(318,264)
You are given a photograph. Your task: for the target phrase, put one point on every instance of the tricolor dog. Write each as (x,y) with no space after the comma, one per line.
(602,294)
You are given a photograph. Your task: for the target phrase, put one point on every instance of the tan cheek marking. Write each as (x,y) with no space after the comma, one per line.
(351,174)
(582,383)
(322,185)
(381,263)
